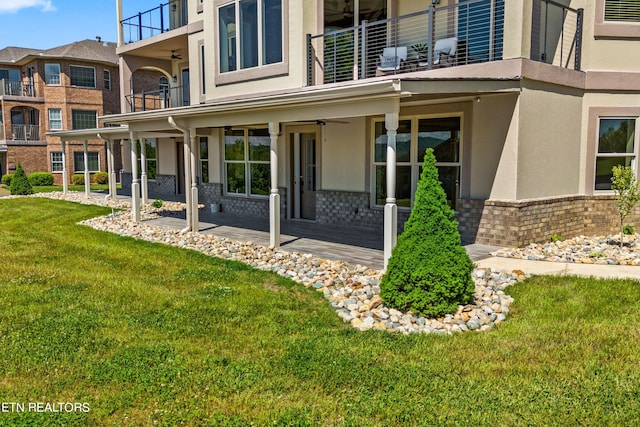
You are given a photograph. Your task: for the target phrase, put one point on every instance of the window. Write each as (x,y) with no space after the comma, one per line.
(107,79)
(246,159)
(55,119)
(622,10)
(616,146)
(251,34)
(56,161)
(83,119)
(82,76)
(151,152)
(414,136)
(52,74)
(7,74)
(204,159)
(203,75)
(78,161)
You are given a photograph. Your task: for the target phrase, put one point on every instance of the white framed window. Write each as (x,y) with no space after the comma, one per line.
(247,162)
(622,10)
(78,161)
(617,145)
(203,74)
(414,136)
(55,119)
(56,161)
(250,34)
(84,119)
(82,76)
(52,74)
(204,159)
(107,79)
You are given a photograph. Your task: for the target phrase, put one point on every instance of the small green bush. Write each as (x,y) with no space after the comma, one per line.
(40,178)
(556,238)
(6,179)
(77,179)
(101,178)
(628,230)
(157,203)
(429,271)
(19,183)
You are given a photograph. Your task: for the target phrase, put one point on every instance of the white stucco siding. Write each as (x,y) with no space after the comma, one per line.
(344,147)
(215,161)
(166,156)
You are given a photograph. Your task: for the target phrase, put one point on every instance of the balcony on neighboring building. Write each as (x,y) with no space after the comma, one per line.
(159,20)
(468,32)
(25,133)
(16,88)
(170,97)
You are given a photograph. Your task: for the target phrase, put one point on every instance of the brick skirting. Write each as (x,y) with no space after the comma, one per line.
(239,205)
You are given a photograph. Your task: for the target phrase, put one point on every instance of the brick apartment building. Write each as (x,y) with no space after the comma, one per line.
(63,88)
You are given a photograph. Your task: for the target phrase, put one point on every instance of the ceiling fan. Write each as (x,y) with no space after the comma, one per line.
(174,55)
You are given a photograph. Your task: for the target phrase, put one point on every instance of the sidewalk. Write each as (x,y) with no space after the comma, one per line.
(561,269)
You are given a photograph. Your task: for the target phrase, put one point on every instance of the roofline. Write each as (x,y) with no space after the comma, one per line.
(120,132)
(31,56)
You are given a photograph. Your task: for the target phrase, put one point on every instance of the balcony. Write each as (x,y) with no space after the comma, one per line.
(16,88)
(157,99)
(159,20)
(25,133)
(469,32)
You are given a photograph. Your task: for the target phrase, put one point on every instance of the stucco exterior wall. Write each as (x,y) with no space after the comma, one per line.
(166,156)
(344,155)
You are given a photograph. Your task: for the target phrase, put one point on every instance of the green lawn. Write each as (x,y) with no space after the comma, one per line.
(153,335)
(4,190)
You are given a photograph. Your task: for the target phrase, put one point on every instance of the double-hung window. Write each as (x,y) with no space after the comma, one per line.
(52,74)
(82,76)
(107,79)
(617,145)
(78,161)
(56,161)
(414,136)
(250,34)
(246,160)
(83,119)
(55,119)
(204,159)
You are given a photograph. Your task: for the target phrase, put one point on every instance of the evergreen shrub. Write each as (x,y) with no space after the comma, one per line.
(429,271)
(101,178)
(6,179)
(19,183)
(77,179)
(40,178)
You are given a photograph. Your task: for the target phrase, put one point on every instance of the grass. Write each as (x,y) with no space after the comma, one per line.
(148,334)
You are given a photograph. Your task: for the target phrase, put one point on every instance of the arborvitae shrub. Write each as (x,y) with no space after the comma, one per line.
(6,179)
(77,179)
(40,178)
(19,183)
(429,271)
(101,178)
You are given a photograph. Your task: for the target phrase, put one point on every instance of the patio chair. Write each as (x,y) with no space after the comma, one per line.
(444,53)
(392,60)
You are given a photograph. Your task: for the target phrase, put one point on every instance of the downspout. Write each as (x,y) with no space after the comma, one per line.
(187,166)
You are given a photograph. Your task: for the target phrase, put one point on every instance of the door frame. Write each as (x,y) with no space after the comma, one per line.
(293,133)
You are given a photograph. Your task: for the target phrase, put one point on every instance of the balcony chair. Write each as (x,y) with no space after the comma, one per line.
(392,60)
(444,53)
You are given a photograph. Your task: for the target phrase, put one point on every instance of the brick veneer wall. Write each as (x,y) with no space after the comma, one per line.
(505,223)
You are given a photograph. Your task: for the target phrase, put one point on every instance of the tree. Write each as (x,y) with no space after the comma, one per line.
(19,183)
(625,186)
(429,271)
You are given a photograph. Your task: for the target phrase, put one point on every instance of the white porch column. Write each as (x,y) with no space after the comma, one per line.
(135,182)
(87,176)
(143,171)
(113,189)
(390,207)
(274,197)
(187,178)
(194,181)
(65,177)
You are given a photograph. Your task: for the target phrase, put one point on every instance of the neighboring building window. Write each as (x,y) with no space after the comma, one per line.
(7,74)
(251,34)
(83,119)
(414,136)
(52,74)
(55,119)
(622,10)
(163,84)
(246,160)
(616,146)
(56,161)
(204,159)
(107,79)
(82,76)
(78,161)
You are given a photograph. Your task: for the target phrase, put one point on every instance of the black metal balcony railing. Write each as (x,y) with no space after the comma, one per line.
(156,99)
(166,17)
(464,33)
(16,88)
(25,132)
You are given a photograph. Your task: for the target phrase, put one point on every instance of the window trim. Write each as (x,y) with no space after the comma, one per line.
(50,121)
(46,82)
(414,162)
(56,162)
(247,168)
(254,73)
(202,160)
(97,153)
(71,66)
(613,29)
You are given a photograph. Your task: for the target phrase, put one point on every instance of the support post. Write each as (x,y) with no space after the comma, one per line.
(65,177)
(194,182)
(143,172)
(274,197)
(187,178)
(113,188)
(390,207)
(135,182)
(87,176)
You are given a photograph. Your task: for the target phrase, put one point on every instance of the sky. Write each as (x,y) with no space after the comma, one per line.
(44,24)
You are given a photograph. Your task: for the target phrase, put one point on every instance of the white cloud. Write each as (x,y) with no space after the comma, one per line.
(12,6)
